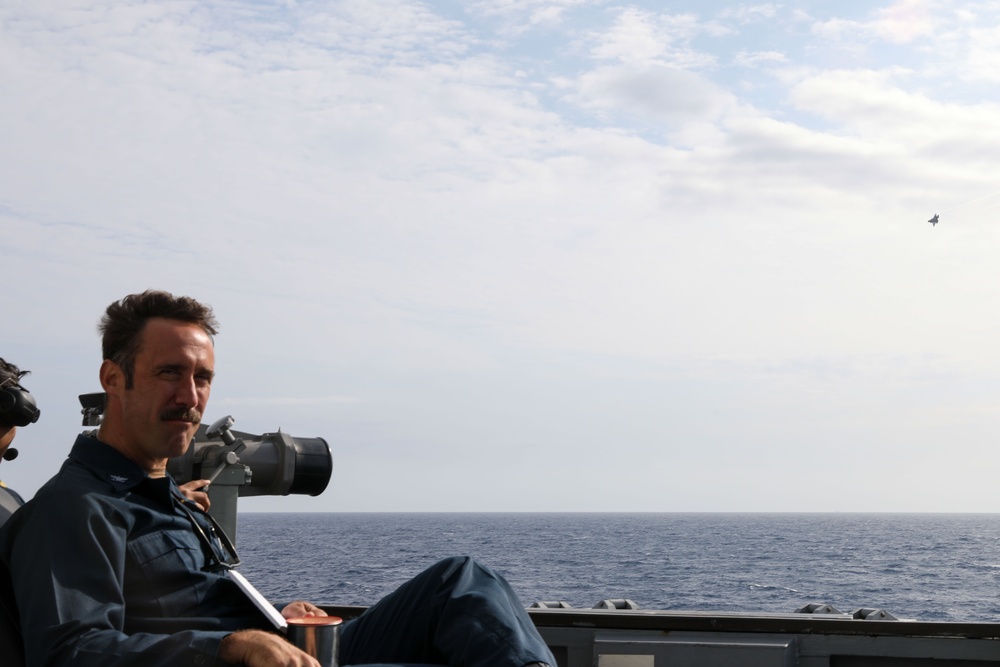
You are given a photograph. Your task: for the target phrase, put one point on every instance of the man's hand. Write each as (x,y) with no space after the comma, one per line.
(301,608)
(197,490)
(256,648)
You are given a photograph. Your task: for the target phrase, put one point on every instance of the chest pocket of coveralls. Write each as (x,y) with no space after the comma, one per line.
(166,567)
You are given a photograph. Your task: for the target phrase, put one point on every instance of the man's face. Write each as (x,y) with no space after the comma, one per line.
(173,377)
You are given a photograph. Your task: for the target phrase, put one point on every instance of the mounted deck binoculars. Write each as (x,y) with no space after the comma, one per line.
(241,464)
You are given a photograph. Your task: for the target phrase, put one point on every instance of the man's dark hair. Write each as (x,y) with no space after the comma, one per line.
(10,374)
(122,324)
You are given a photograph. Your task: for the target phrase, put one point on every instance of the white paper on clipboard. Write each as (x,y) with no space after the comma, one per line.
(259,600)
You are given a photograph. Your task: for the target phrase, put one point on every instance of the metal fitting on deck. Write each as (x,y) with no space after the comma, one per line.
(620,603)
(818,608)
(874,615)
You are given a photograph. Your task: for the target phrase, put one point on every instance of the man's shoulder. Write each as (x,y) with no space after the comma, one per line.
(72,481)
(78,487)
(76,475)
(69,491)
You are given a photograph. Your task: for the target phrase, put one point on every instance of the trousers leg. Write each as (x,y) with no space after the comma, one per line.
(457,612)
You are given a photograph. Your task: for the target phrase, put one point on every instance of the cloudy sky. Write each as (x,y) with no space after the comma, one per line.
(527,255)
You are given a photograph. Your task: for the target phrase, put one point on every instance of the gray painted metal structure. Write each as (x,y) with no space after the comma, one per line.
(637,638)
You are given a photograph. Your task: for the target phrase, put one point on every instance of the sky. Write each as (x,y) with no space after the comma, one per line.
(526,255)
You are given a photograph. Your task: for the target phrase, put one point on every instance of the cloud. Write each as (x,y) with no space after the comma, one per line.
(648,71)
(873,106)
(756,58)
(666,95)
(905,21)
(523,15)
(750,13)
(982,62)
(638,36)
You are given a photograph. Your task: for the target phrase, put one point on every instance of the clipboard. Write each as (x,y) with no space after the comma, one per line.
(272,614)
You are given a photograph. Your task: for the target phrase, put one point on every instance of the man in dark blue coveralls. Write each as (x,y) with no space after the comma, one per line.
(111,565)
(17,408)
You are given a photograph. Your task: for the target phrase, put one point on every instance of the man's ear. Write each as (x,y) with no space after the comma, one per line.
(112,378)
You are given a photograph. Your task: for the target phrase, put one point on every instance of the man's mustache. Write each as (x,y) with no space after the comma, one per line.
(182,414)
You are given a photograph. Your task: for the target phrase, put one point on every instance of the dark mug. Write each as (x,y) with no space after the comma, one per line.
(319,636)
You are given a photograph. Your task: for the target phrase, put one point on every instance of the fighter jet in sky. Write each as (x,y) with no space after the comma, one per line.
(933,220)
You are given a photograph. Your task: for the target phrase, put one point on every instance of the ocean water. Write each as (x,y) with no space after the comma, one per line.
(921,566)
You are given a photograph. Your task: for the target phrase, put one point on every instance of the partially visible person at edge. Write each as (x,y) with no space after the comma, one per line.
(15,410)
(110,566)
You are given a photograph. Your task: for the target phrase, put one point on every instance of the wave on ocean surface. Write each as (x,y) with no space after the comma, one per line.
(928,567)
